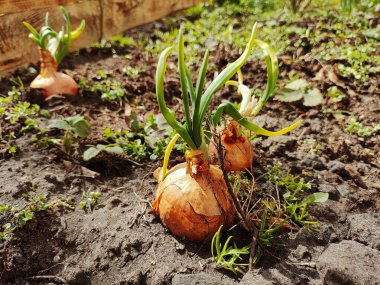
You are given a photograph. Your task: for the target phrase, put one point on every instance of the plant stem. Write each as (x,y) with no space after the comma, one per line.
(168,151)
(246,223)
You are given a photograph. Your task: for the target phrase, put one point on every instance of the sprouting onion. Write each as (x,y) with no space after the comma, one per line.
(192,199)
(238,152)
(53,47)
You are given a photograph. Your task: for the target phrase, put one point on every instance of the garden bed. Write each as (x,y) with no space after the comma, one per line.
(101,232)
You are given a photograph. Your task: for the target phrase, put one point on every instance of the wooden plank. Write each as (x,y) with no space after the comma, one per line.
(15,6)
(104,18)
(17,49)
(121,15)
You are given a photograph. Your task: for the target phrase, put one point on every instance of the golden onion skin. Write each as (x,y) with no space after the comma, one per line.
(237,150)
(51,81)
(194,206)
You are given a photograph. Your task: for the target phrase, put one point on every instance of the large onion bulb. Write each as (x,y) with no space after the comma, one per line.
(50,80)
(237,149)
(192,201)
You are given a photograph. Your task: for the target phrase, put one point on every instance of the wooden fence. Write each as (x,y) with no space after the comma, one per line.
(104,18)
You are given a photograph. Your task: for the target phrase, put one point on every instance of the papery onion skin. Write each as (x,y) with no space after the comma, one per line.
(237,150)
(193,206)
(51,81)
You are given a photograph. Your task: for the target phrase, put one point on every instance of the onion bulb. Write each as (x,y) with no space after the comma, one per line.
(50,80)
(192,200)
(237,149)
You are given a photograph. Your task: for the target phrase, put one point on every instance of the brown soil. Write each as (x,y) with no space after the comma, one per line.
(120,243)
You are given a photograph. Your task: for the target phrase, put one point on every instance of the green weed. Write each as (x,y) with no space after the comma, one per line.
(143,141)
(356,128)
(226,256)
(109,89)
(18,217)
(74,128)
(89,200)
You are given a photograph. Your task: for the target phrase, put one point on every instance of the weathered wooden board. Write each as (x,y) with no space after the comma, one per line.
(16,6)
(104,18)
(120,15)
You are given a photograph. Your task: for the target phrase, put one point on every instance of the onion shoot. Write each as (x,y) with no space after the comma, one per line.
(53,47)
(238,151)
(192,199)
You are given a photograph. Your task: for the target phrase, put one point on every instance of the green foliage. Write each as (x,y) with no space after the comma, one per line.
(132,72)
(337,38)
(148,140)
(356,128)
(89,200)
(300,89)
(226,256)
(348,5)
(122,41)
(293,187)
(364,5)
(57,43)
(17,117)
(109,89)
(357,61)
(268,226)
(15,218)
(312,147)
(335,94)
(74,128)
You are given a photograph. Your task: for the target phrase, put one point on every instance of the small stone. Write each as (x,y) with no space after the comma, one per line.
(251,278)
(302,253)
(57,258)
(365,228)
(336,166)
(195,279)
(331,189)
(349,262)
(343,189)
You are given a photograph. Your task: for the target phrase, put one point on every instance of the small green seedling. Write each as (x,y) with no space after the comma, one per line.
(148,140)
(74,127)
(89,200)
(293,188)
(109,89)
(298,90)
(17,218)
(226,256)
(356,128)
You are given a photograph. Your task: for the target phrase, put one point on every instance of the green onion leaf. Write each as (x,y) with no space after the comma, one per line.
(226,74)
(160,75)
(229,108)
(197,133)
(184,82)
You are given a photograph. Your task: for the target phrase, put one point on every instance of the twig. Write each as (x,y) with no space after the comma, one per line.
(253,247)
(246,223)
(48,277)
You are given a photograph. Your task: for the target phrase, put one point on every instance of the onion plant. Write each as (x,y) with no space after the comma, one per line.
(238,152)
(192,198)
(53,47)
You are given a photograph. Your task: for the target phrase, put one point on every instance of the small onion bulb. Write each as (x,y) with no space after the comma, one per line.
(237,149)
(50,80)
